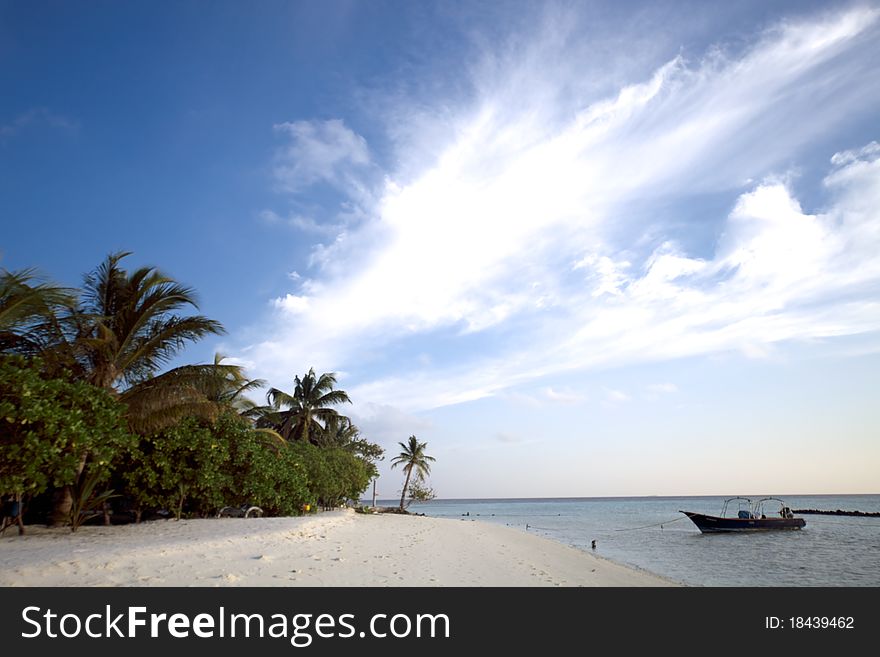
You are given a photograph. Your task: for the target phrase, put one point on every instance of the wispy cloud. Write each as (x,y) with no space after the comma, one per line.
(322,155)
(563,396)
(662,388)
(301,222)
(546,396)
(518,225)
(386,424)
(36,117)
(616,396)
(318,151)
(655,391)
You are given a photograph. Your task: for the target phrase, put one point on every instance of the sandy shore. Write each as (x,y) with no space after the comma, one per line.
(340,548)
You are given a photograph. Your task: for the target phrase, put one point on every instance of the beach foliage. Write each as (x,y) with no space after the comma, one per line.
(263,470)
(52,426)
(88,403)
(304,413)
(340,431)
(182,464)
(199,467)
(28,310)
(116,333)
(420,490)
(88,501)
(335,475)
(413,459)
(137,322)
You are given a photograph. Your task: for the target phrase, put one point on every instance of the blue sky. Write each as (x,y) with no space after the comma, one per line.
(585,248)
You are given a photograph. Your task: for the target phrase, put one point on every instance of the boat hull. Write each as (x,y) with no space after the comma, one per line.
(715,524)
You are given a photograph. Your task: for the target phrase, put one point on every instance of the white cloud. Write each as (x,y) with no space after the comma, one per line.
(563,396)
(37,116)
(655,391)
(292,304)
(663,388)
(318,151)
(386,424)
(546,396)
(519,222)
(847,157)
(301,222)
(616,396)
(760,289)
(607,276)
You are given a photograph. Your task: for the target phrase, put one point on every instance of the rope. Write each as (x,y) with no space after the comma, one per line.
(659,524)
(500,515)
(626,529)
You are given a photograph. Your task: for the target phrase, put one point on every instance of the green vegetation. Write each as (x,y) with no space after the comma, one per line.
(89,420)
(420,490)
(53,428)
(413,458)
(304,410)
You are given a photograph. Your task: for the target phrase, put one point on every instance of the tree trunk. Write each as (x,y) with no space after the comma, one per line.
(62,501)
(405,486)
(180,504)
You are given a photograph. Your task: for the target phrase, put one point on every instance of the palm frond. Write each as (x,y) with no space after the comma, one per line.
(136,328)
(29,305)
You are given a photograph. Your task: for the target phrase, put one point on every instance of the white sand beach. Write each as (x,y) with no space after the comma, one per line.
(339,548)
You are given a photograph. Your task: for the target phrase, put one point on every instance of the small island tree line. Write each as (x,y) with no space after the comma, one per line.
(92,419)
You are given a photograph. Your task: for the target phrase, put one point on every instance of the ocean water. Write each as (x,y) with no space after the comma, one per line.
(649,533)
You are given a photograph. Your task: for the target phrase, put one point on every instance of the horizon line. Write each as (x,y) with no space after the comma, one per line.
(619,497)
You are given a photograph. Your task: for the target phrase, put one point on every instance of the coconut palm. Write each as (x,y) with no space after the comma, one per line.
(225,386)
(412,457)
(29,311)
(229,386)
(131,326)
(306,409)
(338,431)
(137,329)
(127,327)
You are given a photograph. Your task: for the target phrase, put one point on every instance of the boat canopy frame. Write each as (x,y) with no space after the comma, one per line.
(784,510)
(755,509)
(748,506)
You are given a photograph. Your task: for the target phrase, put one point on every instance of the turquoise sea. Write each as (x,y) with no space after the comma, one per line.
(649,533)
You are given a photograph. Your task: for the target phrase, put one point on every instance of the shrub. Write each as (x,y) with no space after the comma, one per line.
(50,427)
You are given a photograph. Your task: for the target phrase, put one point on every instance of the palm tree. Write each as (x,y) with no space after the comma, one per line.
(131,326)
(225,386)
(308,406)
(137,329)
(29,310)
(412,457)
(229,386)
(128,326)
(339,431)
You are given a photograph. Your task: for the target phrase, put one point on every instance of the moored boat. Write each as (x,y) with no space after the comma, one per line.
(750,517)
